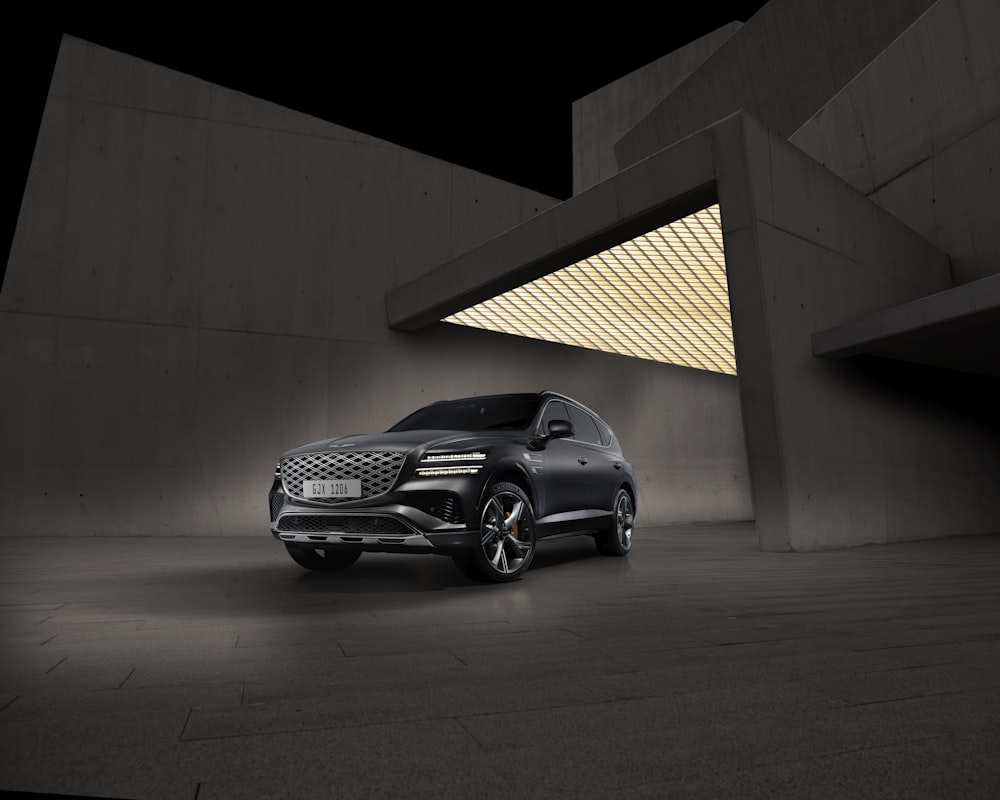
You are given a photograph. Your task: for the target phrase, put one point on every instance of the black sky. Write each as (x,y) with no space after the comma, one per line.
(494,94)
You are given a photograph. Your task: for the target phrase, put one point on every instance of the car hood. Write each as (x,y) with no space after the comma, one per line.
(405,441)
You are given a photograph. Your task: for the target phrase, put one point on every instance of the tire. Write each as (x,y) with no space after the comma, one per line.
(507,536)
(617,540)
(322,560)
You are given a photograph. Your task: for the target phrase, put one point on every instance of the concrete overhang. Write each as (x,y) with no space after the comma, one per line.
(956,329)
(664,187)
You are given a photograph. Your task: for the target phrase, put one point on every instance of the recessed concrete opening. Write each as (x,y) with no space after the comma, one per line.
(661,296)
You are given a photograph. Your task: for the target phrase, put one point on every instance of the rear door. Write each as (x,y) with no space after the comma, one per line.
(599,474)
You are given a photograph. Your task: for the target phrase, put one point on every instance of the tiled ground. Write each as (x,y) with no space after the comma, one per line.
(698,667)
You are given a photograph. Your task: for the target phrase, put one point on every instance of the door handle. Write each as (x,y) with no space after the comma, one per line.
(582,460)
(618,465)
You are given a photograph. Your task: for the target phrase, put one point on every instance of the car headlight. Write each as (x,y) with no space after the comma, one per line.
(434,458)
(444,464)
(438,472)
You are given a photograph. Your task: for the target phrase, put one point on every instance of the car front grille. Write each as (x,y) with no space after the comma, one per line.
(358,525)
(376,469)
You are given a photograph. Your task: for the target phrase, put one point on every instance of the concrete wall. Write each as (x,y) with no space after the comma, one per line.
(197,283)
(603,117)
(783,65)
(838,455)
(918,131)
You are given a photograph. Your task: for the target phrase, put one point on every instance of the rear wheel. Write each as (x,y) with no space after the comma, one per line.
(506,536)
(323,560)
(617,540)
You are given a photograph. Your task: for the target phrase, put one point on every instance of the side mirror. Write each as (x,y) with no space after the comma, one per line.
(560,429)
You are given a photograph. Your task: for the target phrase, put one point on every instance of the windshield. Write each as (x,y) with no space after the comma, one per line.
(500,412)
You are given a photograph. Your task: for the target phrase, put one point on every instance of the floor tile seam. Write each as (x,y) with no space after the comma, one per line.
(187,719)
(597,649)
(87,656)
(474,636)
(335,727)
(125,679)
(72,622)
(471,734)
(830,754)
(926,696)
(929,644)
(60,661)
(743,642)
(907,667)
(406,720)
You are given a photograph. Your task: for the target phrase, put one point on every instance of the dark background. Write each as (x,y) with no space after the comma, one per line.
(493,94)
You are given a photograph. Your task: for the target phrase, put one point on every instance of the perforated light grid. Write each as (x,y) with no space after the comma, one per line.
(662,296)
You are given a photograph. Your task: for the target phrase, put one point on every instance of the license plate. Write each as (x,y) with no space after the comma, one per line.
(331,488)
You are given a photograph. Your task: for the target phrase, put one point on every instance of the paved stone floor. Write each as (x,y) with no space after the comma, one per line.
(697,667)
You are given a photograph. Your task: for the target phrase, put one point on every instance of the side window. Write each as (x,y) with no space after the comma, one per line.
(586,428)
(554,410)
(605,432)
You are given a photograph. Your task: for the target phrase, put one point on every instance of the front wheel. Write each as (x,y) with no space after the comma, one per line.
(506,536)
(323,560)
(617,540)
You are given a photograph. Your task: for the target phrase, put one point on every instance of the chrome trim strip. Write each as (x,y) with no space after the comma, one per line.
(413,540)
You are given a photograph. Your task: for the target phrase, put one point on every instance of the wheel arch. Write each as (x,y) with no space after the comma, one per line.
(628,487)
(510,472)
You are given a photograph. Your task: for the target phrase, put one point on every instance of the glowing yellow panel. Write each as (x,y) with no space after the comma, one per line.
(662,296)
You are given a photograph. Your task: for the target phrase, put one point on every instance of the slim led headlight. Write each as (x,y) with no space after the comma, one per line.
(438,457)
(437,472)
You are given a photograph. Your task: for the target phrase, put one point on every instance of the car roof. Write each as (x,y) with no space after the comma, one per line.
(545,394)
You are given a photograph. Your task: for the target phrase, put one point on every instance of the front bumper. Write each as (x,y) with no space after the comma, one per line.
(443,543)
(383,524)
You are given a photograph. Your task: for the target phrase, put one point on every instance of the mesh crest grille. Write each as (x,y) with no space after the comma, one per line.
(377,470)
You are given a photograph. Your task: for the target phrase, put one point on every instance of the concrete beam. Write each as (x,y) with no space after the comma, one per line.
(664,188)
(956,329)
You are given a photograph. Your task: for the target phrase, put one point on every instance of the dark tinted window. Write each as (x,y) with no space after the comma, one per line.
(505,412)
(605,432)
(586,428)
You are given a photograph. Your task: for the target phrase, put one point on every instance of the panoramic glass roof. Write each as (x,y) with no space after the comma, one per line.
(661,296)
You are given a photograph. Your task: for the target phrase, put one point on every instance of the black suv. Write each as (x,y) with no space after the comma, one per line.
(480,479)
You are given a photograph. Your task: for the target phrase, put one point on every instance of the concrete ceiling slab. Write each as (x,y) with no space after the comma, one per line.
(956,329)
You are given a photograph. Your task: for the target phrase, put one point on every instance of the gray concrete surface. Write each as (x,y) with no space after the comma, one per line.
(698,667)
(602,117)
(837,456)
(782,66)
(918,130)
